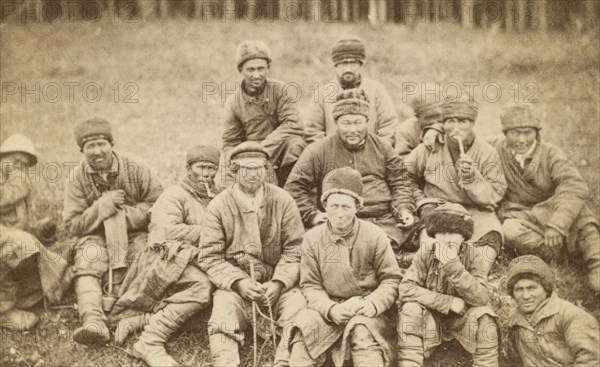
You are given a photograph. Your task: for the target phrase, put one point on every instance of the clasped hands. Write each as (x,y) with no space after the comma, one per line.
(265,294)
(342,312)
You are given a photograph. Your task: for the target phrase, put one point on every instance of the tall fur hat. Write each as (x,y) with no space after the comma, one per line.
(519,116)
(529,267)
(450,218)
(350,48)
(351,102)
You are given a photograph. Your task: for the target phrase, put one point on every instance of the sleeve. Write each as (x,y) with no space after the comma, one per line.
(407,136)
(301,181)
(288,122)
(570,194)
(414,164)
(388,275)
(386,116)
(234,133)
(581,336)
(489,184)
(287,270)
(211,258)
(471,285)
(315,120)
(398,181)
(311,280)
(80,218)
(412,288)
(168,219)
(137,215)
(15,187)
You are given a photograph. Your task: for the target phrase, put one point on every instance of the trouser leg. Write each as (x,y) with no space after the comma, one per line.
(365,350)
(486,351)
(589,243)
(299,356)
(288,306)
(525,238)
(226,328)
(410,339)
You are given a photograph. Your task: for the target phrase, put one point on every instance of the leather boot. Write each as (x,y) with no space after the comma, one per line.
(410,342)
(365,351)
(89,305)
(164,323)
(589,242)
(130,325)
(18,320)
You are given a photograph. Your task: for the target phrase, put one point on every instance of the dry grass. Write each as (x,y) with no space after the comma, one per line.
(170,60)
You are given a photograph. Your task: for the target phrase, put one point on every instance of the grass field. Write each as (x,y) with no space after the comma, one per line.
(152,77)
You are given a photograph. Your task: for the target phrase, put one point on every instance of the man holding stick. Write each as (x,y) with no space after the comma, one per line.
(250,251)
(106,207)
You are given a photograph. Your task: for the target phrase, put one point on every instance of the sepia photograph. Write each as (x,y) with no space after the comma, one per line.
(299,183)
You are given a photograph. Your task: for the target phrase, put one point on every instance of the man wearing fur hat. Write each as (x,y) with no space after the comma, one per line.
(411,131)
(165,287)
(545,204)
(467,171)
(106,208)
(546,330)
(350,294)
(348,57)
(251,252)
(263,110)
(444,294)
(388,195)
(28,270)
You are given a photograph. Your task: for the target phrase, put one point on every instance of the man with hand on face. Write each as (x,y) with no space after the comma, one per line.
(465,170)
(388,195)
(546,330)
(109,193)
(444,294)
(251,225)
(350,278)
(348,57)
(545,204)
(164,288)
(262,110)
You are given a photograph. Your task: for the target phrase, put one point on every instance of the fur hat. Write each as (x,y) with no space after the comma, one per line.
(351,102)
(463,109)
(427,110)
(95,128)
(345,180)
(450,218)
(529,267)
(251,49)
(204,153)
(348,49)
(520,115)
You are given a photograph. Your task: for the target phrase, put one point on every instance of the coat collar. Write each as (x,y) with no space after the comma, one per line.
(346,238)
(243,201)
(546,309)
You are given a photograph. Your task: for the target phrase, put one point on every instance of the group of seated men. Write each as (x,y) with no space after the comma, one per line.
(375,250)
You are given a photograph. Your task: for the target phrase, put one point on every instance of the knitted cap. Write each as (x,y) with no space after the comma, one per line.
(450,218)
(204,153)
(348,49)
(462,109)
(351,102)
(345,180)
(427,110)
(251,49)
(21,144)
(95,128)
(526,266)
(251,153)
(520,115)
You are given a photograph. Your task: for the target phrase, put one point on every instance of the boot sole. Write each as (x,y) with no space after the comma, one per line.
(89,336)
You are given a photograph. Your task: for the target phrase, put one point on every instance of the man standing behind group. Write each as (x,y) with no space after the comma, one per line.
(349,56)
(110,192)
(261,110)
